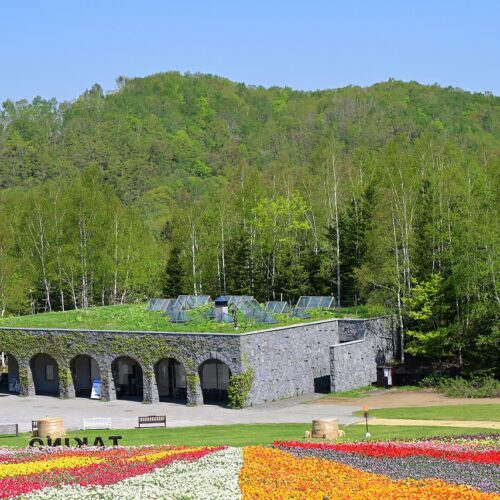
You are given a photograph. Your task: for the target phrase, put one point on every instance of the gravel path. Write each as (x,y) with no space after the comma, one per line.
(434,423)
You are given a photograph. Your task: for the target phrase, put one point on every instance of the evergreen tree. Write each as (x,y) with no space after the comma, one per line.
(174,275)
(424,254)
(354,225)
(292,279)
(240,267)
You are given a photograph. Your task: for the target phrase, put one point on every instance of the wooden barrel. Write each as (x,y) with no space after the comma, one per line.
(52,427)
(325,428)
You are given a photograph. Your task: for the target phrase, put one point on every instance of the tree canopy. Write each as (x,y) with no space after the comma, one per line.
(387,194)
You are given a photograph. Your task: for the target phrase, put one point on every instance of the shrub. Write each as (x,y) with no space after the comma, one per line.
(238,389)
(477,386)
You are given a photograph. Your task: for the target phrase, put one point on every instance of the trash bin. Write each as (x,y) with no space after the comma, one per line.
(384,376)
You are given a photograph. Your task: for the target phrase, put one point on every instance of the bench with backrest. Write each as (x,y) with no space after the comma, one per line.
(9,429)
(97,423)
(156,420)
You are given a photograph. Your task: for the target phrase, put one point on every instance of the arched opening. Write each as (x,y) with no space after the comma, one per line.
(84,370)
(171,380)
(9,374)
(45,372)
(214,379)
(127,374)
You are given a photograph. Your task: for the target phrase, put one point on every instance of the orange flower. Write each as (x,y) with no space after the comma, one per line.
(271,473)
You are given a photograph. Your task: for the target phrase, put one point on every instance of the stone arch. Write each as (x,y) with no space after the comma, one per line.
(233,366)
(128,377)
(171,381)
(45,373)
(84,370)
(10,380)
(214,379)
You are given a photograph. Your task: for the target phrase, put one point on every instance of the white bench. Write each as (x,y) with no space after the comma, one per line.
(97,423)
(9,429)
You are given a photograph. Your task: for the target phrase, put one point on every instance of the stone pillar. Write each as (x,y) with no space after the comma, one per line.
(66,384)
(150,389)
(27,386)
(194,393)
(108,390)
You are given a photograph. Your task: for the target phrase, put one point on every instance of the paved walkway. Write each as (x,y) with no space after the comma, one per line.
(485,424)
(22,410)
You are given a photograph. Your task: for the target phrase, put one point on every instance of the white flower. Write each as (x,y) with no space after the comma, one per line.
(213,477)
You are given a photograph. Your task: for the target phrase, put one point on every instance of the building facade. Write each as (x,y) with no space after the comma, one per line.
(196,368)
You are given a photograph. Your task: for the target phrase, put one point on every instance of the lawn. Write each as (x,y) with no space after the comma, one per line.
(490,412)
(360,392)
(135,317)
(243,434)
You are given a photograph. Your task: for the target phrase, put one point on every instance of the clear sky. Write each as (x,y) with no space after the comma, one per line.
(60,48)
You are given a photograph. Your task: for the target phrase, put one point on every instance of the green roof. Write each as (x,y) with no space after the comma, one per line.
(135,317)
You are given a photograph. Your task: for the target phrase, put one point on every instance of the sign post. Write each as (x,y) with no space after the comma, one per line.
(367,434)
(96,389)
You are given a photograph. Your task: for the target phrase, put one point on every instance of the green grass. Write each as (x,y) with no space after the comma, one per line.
(490,412)
(361,392)
(406,388)
(136,317)
(244,435)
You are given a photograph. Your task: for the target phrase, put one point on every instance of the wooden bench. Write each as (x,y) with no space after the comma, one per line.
(9,429)
(97,423)
(156,420)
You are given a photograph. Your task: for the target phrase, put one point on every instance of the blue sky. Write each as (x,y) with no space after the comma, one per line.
(60,48)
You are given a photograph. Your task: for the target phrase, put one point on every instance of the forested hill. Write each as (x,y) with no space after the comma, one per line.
(203,126)
(386,194)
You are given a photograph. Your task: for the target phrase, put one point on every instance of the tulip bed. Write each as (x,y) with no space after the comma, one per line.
(458,467)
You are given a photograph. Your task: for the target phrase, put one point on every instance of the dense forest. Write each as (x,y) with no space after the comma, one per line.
(386,195)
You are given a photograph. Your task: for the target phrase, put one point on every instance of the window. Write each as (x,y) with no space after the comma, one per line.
(49,372)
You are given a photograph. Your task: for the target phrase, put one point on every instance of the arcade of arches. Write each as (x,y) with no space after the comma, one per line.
(214,377)
(171,380)
(84,370)
(124,378)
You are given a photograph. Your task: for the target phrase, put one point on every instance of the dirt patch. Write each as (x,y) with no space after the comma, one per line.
(392,398)
(478,424)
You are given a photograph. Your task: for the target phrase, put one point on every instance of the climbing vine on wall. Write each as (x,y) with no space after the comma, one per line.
(192,382)
(64,346)
(238,389)
(147,349)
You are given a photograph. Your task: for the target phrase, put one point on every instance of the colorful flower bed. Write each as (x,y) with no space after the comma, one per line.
(469,461)
(213,476)
(466,467)
(26,472)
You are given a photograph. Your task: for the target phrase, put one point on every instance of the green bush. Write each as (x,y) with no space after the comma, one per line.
(477,386)
(238,389)
(431,381)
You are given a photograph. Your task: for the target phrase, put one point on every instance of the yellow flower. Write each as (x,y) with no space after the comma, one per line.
(35,467)
(153,457)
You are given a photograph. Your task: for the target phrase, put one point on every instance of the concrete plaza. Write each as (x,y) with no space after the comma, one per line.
(22,410)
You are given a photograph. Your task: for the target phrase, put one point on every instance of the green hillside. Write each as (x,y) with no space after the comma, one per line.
(386,195)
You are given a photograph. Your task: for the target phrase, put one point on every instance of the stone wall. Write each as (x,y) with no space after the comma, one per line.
(286,361)
(351,329)
(289,361)
(146,348)
(354,364)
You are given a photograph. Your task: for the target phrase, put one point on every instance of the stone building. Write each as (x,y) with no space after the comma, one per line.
(196,368)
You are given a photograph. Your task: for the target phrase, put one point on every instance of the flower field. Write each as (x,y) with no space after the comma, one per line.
(446,468)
